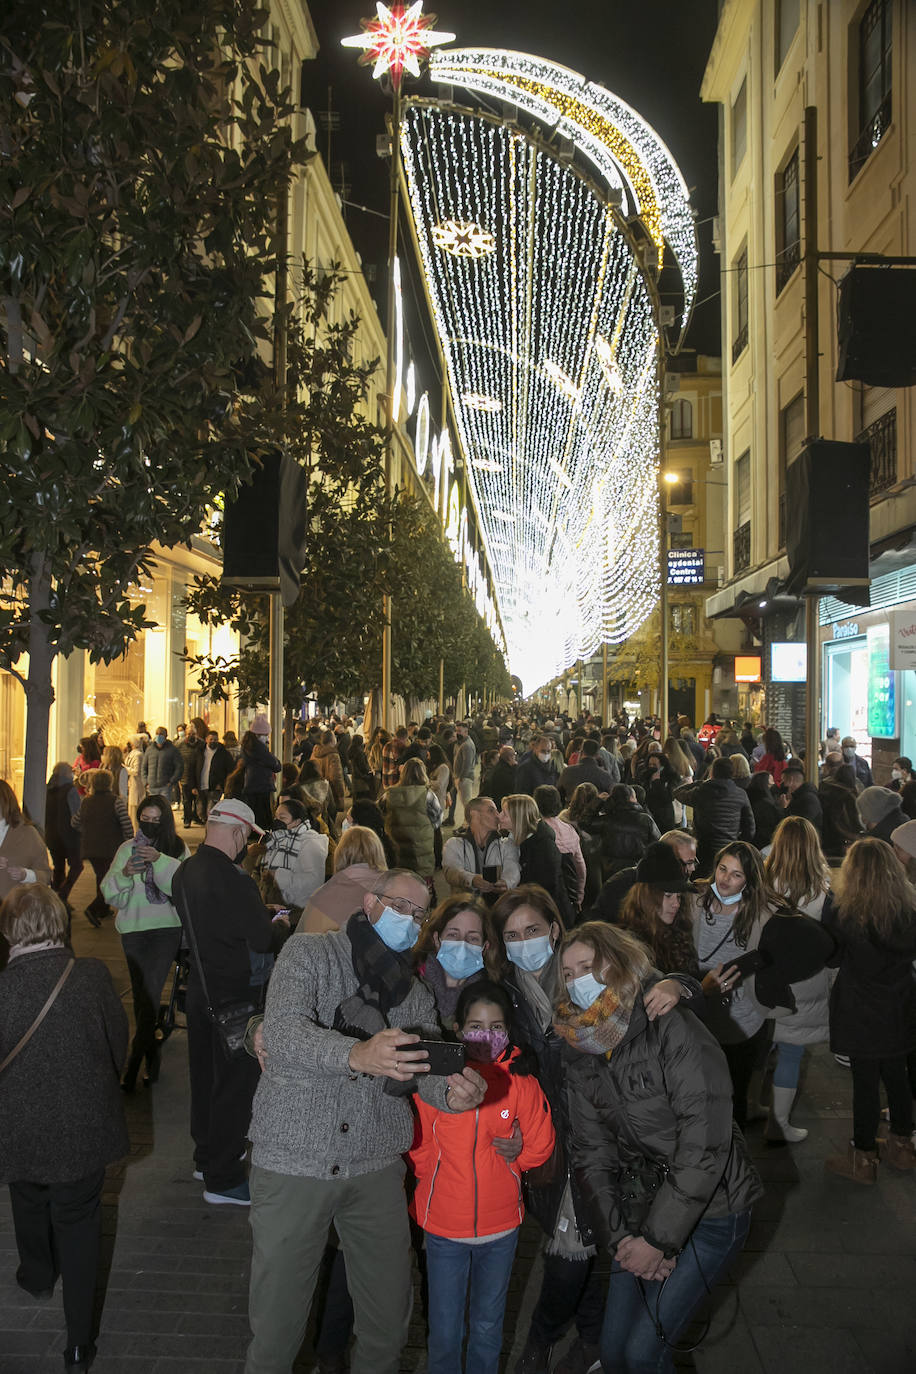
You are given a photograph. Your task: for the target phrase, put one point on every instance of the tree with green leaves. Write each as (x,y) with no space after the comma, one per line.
(144,149)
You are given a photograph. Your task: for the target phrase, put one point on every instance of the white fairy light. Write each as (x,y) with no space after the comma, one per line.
(617,141)
(463,240)
(492,404)
(557,324)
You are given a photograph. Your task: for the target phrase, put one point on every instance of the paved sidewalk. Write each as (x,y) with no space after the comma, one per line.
(826,1282)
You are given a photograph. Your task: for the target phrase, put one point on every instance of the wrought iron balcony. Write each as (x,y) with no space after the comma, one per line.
(742,546)
(786,263)
(782,520)
(881,437)
(870,137)
(740,344)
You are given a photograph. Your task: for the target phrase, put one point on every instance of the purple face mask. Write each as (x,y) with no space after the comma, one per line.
(485,1045)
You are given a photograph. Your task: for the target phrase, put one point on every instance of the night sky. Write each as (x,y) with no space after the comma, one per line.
(652,54)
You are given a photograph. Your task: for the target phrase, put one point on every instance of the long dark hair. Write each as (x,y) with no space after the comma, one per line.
(773,745)
(367,813)
(169,842)
(756,895)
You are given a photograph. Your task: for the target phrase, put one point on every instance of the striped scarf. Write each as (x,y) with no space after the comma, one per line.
(598,1030)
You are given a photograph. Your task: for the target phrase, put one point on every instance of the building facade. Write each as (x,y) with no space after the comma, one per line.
(851,63)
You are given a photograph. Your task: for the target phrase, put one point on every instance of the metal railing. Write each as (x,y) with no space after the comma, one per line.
(782,520)
(786,263)
(881,437)
(870,137)
(742,546)
(740,344)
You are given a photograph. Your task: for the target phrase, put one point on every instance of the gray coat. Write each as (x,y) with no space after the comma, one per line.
(312,1115)
(161,768)
(61,1107)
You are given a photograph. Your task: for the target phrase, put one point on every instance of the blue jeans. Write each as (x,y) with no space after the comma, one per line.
(630,1343)
(449,1265)
(788,1065)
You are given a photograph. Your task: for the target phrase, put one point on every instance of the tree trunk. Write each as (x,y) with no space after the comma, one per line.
(39,694)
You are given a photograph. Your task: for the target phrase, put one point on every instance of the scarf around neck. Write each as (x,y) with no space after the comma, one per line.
(597,1030)
(384,981)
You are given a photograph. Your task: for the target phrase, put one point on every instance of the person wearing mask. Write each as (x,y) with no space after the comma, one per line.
(216,764)
(800,798)
(540,861)
(139,887)
(478,858)
(358,860)
(537,768)
(62,803)
(464,764)
(665,1177)
(529,925)
(901,773)
(863,772)
(302,746)
(294,859)
(326,758)
(62,1120)
(334,1052)
(261,769)
(103,824)
(797,872)
(728,913)
(568,842)
(191,750)
(880,811)
(586,769)
(229,924)
(721,812)
(773,758)
(392,751)
(502,776)
(457,946)
(161,767)
(871,914)
(468,1196)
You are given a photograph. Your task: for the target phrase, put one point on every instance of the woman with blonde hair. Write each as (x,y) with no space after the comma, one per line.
(797,872)
(412,812)
(871,914)
(62,1120)
(113,761)
(667,1177)
(358,860)
(539,857)
(23,855)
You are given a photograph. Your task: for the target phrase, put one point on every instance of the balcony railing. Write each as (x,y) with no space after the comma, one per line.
(881,437)
(742,546)
(740,344)
(786,263)
(870,137)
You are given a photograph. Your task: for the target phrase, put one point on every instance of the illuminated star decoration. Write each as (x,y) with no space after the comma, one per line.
(463,240)
(398,40)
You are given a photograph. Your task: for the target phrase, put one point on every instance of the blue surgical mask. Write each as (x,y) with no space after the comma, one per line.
(585,990)
(161,739)
(397,931)
(530,955)
(459,959)
(727,901)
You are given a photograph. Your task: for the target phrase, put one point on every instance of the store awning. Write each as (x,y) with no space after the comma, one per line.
(757,585)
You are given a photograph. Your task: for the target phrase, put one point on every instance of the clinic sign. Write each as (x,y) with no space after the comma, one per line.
(433,450)
(686,567)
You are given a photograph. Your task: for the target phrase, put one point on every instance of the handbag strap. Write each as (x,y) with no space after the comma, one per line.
(185,917)
(40,1017)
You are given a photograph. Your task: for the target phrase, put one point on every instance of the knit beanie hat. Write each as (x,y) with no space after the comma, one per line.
(875,803)
(904,837)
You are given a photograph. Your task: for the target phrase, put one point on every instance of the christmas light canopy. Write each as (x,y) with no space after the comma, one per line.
(551,350)
(463,240)
(397,40)
(628,154)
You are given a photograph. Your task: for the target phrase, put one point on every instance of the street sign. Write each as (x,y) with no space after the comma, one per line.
(686,567)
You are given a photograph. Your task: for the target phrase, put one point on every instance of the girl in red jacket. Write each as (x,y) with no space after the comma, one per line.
(468,1198)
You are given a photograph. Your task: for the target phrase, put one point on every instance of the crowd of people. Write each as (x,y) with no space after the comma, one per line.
(439,977)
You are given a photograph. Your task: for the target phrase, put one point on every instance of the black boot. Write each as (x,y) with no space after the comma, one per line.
(152,1065)
(79,1356)
(129,1081)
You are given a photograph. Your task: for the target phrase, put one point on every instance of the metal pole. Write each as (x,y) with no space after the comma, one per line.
(663,600)
(275,650)
(385,705)
(275,688)
(604,711)
(812,425)
(441,686)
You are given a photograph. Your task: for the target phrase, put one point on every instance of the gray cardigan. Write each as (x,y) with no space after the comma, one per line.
(312,1115)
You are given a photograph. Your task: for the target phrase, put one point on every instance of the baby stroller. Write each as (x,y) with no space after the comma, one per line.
(169,1010)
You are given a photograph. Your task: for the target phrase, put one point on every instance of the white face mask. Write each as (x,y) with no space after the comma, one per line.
(585,990)
(545,758)
(896,773)
(727,901)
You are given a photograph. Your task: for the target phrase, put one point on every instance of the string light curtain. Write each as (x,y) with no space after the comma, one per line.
(549,333)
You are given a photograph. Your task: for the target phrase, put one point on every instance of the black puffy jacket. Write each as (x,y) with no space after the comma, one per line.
(663,1100)
(626,833)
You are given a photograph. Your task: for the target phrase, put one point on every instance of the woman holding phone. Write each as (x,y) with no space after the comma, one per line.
(728,913)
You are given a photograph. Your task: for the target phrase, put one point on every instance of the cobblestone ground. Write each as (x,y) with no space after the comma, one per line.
(825,1285)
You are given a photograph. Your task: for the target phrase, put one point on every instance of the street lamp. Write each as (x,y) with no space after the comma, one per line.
(396,41)
(666,480)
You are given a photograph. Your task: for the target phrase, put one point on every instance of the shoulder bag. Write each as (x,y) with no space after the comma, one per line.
(40,1017)
(230,1021)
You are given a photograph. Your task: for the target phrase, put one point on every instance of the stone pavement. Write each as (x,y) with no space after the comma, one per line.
(824,1287)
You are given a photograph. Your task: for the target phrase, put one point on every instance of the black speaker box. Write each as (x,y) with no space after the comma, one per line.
(827,516)
(877,341)
(264,528)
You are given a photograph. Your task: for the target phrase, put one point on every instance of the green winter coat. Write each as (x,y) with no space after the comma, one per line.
(410,828)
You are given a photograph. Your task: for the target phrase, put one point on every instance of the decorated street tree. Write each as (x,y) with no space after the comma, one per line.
(143,150)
